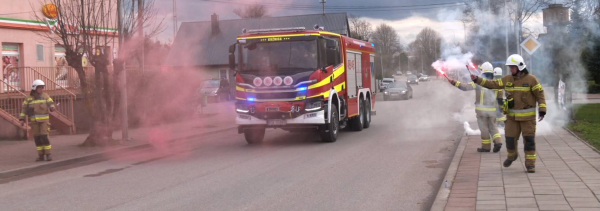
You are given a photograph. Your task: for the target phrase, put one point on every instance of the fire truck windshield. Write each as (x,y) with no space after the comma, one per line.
(286,56)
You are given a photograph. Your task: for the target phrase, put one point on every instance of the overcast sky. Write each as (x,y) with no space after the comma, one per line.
(407,21)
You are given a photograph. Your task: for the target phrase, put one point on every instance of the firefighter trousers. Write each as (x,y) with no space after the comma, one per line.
(513,130)
(489,131)
(40,135)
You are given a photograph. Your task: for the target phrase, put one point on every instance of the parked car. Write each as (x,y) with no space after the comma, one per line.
(398,90)
(412,79)
(385,82)
(424,77)
(215,90)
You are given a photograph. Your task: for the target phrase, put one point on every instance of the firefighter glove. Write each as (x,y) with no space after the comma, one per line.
(474,78)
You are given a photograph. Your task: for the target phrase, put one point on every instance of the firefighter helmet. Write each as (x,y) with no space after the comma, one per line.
(487,67)
(497,71)
(37,83)
(516,60)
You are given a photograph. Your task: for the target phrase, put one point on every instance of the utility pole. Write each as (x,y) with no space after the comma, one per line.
(506,31)
(123,77)
(174,19)
(140,23)
(323,2)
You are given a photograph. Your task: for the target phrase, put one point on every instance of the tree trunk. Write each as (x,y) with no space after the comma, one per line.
(101,126)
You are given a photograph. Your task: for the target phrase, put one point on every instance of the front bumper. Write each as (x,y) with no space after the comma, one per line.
(397,96)
(313,118)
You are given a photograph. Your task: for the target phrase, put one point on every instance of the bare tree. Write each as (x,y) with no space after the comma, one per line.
(426,49)
(360,28)
(85,29)
(252,11)
(88,28)
(388,47)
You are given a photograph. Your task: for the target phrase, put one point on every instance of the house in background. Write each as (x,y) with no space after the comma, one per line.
(203,46)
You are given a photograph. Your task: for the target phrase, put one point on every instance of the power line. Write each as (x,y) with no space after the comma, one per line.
(346,8)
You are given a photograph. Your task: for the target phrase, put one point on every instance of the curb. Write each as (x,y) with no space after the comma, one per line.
(580,139)
(441,199)
(101,156)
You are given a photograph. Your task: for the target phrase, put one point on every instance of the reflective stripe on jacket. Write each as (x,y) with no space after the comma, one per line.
(524,91)
(37,108)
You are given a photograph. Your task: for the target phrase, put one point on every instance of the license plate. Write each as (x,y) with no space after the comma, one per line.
(272,108)
(395,94)
(276,122)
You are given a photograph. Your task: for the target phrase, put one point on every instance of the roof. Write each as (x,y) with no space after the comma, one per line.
(196,46)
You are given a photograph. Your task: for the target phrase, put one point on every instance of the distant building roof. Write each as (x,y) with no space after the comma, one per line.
(197,45)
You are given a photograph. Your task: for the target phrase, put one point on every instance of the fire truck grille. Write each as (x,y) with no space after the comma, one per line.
(275,95)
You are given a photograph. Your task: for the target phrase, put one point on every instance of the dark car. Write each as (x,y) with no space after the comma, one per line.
(215,90)
(398,90)
(413,79)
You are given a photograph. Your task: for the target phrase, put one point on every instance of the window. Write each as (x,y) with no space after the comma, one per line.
(40,52)
(11,64)
(333,51)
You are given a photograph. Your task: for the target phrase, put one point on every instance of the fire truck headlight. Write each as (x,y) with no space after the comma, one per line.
(242,108)
(313,106)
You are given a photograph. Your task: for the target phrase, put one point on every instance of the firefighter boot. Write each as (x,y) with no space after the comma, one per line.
(48,152)
(497,147)
(530,155)
(485,145)
(40,156)
(511,148)
(39,148)
(47,147)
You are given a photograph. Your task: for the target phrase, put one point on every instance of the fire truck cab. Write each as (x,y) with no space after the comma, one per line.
(302,80)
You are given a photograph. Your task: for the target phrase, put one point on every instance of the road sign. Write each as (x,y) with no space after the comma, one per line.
(530,45)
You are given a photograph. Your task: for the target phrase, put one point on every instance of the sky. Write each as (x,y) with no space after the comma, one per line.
(441,15)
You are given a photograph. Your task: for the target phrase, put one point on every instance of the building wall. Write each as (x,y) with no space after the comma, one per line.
(28,41)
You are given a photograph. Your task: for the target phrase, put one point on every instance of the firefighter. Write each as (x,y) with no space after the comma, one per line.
(523,94)
(485,108)
(37,107)
(500,97)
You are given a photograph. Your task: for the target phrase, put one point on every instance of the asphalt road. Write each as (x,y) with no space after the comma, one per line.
(397,164)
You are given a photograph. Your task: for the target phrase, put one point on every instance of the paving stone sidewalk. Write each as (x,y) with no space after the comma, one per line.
(567,177)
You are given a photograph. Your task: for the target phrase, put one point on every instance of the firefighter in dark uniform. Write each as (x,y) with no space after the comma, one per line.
(485,107)
(38,107)
(524,94)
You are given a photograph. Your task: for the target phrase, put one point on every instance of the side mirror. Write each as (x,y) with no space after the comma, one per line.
(232,57)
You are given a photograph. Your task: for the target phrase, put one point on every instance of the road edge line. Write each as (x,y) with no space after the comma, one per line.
(100,156)
(441,199)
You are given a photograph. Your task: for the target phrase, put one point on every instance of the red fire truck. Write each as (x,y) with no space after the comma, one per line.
(302,80)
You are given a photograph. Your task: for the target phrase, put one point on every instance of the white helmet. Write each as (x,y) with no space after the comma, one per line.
(497,71)
(37,83)
(516,60)
(487,67)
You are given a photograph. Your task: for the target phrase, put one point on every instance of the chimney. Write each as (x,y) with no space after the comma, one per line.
(214,20)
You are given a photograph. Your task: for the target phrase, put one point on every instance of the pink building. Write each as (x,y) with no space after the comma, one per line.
(22,26)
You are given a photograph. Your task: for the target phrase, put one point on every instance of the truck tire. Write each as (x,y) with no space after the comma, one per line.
(255,135)
(356,123)
(367,111)
(333,127)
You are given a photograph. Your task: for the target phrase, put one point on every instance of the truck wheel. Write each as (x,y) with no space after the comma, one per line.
(333,127)
(367,111)
(255,135)
(357,122)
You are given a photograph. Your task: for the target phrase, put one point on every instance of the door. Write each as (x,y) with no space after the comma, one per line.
(351,72)
(372,73)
